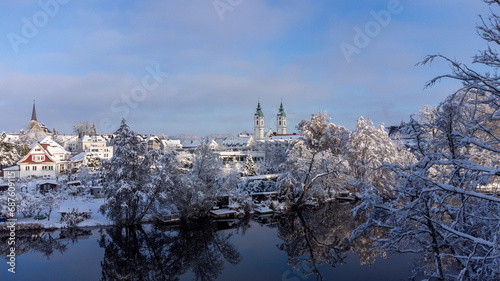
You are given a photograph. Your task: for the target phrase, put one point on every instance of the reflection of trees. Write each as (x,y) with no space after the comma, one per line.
(314,236)
(26,241)
(134,253)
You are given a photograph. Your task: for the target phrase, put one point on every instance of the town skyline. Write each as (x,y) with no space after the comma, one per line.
(200,67)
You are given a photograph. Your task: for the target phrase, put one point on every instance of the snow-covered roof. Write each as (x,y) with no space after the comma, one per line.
(222,212)
(238,142)
(288,137)
(51,146)
(74,182)
(79,157)
(263,177)
(191,143)
(172,143)
(13,168)
(48,182)
(12,137)
(87,138)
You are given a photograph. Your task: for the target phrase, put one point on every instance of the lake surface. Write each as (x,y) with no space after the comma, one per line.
(309,245)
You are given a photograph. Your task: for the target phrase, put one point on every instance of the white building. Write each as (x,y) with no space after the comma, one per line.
(258,123)
(46,159)
(238,159)
(96,145)
(70,142)
(281,121)
(169,145)
(242,142)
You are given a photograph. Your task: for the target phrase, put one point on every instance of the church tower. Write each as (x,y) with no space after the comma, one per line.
(33,121)
(281,121)
(258,123)
(34,125)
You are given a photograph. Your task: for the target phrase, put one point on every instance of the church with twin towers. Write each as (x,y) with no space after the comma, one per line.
(259,124)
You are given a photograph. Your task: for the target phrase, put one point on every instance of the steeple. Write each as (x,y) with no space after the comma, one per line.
(33,113)
(281,120)
(258,127)
(282,111)
(259,111)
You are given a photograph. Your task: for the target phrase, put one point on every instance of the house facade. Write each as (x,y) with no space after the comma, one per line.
(97,146)
(46,159)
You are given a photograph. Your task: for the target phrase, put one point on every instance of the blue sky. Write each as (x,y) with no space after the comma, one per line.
(200,66)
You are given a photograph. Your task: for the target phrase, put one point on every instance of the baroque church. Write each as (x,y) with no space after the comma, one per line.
(259,124)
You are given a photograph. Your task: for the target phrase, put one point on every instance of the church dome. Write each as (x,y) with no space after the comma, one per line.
(259,112)
(282,111)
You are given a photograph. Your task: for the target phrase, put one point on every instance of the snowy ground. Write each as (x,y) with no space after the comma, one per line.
(82,204)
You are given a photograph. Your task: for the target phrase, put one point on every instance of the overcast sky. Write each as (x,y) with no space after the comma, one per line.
(200,66)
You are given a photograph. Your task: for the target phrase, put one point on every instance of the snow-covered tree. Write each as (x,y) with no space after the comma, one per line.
(26,139)
(85,128)
(249,169)
(441,209)
(26,203)
(368,148)
(51,201)
(8,152)
(275,156)
(193,182)
(314,164)
(127,180)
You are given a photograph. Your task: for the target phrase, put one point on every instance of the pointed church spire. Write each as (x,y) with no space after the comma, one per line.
(33,113)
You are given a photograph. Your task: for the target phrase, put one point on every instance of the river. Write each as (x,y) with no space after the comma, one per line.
(312,244)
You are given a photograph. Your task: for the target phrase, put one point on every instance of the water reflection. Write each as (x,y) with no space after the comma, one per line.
(157,253)
(39,242)
(313,236)
(315,240)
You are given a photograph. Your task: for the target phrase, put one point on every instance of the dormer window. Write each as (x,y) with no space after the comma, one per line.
(39,158)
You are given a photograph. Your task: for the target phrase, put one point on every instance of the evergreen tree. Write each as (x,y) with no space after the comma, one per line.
(8,152)
(249,169)
(128,183)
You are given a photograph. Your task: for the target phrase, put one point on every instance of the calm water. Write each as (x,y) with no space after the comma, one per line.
(310,245)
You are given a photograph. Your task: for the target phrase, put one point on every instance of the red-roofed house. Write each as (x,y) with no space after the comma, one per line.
(46,159)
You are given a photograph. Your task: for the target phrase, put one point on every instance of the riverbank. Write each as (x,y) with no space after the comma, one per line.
(80,204)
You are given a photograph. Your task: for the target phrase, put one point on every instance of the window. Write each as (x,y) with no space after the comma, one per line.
(27,168)
(34,168)
(51,168)
(280,122)
(257,122)
(39,158)
(44,168)
(262,122)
